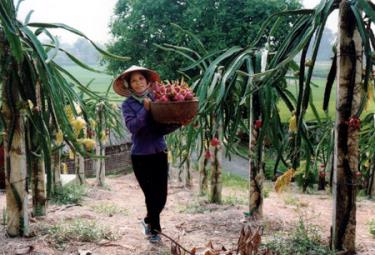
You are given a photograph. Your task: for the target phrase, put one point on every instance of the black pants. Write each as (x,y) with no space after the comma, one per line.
(151,172)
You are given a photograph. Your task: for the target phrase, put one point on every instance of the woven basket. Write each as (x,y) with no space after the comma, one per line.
(181,112)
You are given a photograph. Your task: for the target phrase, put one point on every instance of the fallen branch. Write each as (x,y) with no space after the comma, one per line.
(175,242)
(59,209)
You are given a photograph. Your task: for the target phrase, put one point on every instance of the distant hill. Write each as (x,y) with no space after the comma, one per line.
(81,49)
(325,50)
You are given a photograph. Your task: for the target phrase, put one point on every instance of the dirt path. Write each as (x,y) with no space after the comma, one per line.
(184,217)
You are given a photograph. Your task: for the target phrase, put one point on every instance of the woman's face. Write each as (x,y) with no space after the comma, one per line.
(138,82)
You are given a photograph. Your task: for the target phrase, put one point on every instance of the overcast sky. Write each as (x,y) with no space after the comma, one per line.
(92,17)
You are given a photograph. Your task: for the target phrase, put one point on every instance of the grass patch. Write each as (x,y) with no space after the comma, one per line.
(194,207)
(266,189)
(80,230)
(4,217)
(202,204)
(198,205)
(372,227)
(290,200)
(234,181)
(109,209)
(362,195)
(304,240)
(69,194)
(195,166)
(294,201)
(235,199)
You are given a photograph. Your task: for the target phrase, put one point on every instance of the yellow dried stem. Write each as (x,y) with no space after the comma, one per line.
(284,180)
(293,124)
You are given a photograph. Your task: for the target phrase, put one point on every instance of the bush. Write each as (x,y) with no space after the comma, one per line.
(69,194)
(304,240)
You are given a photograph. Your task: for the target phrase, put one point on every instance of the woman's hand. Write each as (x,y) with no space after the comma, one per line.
(147,103)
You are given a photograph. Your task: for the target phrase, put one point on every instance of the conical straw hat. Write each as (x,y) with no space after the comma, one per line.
(120,85)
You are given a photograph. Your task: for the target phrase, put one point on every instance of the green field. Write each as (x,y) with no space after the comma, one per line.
(102,82)
(317,94)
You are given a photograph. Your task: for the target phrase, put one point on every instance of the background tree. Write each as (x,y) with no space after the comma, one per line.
(138,25)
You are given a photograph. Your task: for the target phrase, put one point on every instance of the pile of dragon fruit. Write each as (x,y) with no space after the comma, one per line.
(175,91)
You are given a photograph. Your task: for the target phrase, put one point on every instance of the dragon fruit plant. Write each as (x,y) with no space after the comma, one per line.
(175,91)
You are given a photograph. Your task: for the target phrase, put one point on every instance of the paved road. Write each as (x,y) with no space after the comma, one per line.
(236,165)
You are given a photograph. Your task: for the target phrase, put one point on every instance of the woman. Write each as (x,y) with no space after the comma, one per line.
(149,150)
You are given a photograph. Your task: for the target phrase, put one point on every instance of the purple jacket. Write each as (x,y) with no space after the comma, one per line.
(147,135)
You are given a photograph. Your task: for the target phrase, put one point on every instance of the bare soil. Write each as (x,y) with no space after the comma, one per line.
(185,218)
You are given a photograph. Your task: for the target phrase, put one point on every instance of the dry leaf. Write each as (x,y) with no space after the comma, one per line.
(193,251)
(209,245)
(209,251)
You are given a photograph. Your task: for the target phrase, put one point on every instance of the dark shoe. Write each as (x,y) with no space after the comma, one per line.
(155,238)
(146,228)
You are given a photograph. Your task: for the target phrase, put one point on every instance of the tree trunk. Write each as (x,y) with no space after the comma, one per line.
(347,134)
(38,187)
(187,173)
(79,165)
(322,181)
(100,165)
(15,164)
(331,167)
(2,170)
(256,177)
(56,170)
(216,182)
(100,149)
(203,175)
(371,183)
(373,178)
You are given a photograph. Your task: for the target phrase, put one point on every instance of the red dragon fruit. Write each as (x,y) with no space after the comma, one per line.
(179,98)
(215,142)
(172,91)
(207,154)
(189,95)
(164,98)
